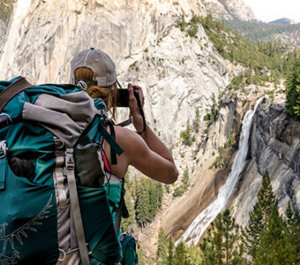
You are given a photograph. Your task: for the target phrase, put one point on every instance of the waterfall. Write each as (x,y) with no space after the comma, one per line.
(203,220)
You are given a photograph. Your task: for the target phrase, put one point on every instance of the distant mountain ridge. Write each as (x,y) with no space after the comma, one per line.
(258,31)
(283,21)
(240,18)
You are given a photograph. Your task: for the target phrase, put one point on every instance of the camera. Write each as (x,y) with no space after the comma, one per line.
(123,97)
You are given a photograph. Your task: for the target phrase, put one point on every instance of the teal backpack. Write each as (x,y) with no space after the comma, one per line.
(54,207)
(115,194)
(130,256)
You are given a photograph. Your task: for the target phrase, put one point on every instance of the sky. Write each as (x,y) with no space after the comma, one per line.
(269,10)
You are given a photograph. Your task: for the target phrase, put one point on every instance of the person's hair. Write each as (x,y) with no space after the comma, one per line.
(108,94)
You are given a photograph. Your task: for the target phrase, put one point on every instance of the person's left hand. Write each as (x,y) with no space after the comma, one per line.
(134,107)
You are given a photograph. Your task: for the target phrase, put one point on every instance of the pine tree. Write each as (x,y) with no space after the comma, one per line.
(259,214)
(293,90)
(142,202)
(187,135)
(141,255)
(231,239)
(218,239)
(171,247)
(274,245)
(162,248)
(153,200)
(207,248)
(223,242)
(185,179)
(196,122)
(180,254)
(193,255)
(212,243)
(293,226)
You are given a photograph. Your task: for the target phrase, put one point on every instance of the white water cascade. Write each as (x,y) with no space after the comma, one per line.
(203,220)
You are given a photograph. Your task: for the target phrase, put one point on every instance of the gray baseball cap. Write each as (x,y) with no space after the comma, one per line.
(99,62)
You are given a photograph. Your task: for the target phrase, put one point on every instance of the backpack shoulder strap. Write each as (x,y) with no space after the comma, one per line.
(12,90)
(122,211)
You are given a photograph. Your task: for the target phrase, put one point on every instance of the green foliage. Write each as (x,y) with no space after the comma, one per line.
(187,135)
(190,27)
(193,255)
(179,191)
(171,248)
(149,195)
(292,223)
(185,179)
(236,82)
(162,248)
(230,141)
(223,242)
(270,238)
(258,216)
(214,112)
(192,30)
(180,254)
(196,122)
(142,203)
(264,61)
(6,8)
(141,255)
(222,160)
(293,90)
(275,246)
(259,31)
(127,222)
(134,66)
(167,188)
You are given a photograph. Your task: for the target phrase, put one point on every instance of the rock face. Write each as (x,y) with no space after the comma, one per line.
(275,147)
(3,29)
(179,73)
(229,10)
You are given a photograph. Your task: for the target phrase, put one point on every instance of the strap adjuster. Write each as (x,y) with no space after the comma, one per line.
(3,149)
(69,159)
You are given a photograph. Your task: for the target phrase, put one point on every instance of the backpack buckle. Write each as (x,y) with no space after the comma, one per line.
(69,159)
(3,149)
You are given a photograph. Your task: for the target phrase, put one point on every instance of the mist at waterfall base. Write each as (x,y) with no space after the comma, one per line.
(203,220)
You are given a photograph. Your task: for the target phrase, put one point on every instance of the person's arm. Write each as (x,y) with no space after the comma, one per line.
(139,155)
(158,149)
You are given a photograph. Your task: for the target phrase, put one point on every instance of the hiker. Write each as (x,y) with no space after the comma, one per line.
(94,71)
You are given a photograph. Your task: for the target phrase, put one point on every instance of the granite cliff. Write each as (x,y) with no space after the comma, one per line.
(274,147)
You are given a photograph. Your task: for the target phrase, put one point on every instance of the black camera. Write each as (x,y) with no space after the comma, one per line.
(123,97)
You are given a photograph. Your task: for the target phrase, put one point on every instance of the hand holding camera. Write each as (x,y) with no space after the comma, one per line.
(134,99)
(123,95)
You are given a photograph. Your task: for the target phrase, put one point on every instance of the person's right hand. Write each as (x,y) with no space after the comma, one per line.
(134,107)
